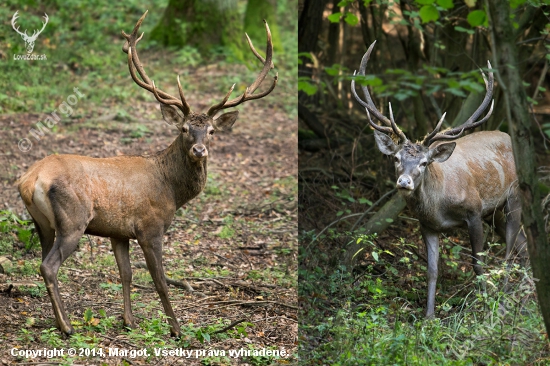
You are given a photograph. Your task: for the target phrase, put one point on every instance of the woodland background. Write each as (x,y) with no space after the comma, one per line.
(362,296)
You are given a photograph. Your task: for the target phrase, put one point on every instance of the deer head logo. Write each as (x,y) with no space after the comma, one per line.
(29,40)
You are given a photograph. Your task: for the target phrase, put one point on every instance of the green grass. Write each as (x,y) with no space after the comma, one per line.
(376,316)
(82,42)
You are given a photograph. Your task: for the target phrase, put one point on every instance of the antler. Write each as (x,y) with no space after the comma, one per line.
(13,21)
(248,94)
(469,124)
(147,84)
(369,104)
(25,35)
(37,32)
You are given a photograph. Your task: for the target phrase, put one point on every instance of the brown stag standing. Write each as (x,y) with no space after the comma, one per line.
(127,197)
(453,184)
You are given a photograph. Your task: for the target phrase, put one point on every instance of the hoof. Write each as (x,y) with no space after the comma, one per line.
(129,326)
(68,332)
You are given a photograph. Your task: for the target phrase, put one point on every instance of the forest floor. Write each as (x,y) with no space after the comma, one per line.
(236,244)
(372,312)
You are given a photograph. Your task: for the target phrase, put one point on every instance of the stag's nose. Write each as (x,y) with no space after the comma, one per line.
(200,151)
(405,182)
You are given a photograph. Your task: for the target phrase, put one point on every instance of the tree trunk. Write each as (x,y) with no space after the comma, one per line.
(505,56)
(202,24)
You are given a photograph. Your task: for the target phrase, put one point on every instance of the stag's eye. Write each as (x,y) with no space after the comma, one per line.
(184,130)
(211,132)
(423,164)
(396,159)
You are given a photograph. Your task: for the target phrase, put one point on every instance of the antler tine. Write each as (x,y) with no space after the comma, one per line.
(212,111)
(427,139)
(146,83)
(186,109)
(248,94)
(14,21)
(362,69)
(383,129)
(394,127)
(469,124)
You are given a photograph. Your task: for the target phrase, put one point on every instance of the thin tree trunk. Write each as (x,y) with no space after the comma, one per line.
(505,56)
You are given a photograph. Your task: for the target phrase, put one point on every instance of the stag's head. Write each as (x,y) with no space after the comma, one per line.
(413,158)
(196,129)
(29,40)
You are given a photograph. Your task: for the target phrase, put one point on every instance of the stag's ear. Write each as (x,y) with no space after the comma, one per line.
(442,152)
(171,114)
(385,143)
(226,121)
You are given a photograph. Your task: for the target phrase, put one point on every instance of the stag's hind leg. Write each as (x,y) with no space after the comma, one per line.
(63,247)
(515,238)
(70,213)
(121,248)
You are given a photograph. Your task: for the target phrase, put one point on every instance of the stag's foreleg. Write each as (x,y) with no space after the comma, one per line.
(152,250)
(121,249)
(431,240)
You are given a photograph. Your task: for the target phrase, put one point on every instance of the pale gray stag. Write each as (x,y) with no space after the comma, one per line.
(127,197)
(453,184)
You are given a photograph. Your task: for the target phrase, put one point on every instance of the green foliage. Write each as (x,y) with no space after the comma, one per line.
(112,287)
(478,17)
(366,319)
(34,291)
(428,13)
(52,337)
(23,229)
(152,332)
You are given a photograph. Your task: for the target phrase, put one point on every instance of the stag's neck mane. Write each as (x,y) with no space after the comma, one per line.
(423,199)
(187,178)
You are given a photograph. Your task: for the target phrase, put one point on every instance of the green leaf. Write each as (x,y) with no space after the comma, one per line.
(351,19)
(456,91)
(428,13)
(515,3)
(334,18)
(389,220)
(375,256)
(462,29)
(477,17)
(339,213)
(445,4)
(369,80)
(364,200)
(307,87)
(470,3)
(88,315)
(425,2)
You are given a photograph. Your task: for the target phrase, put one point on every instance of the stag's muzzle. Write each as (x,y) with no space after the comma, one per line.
(405,182)
(199,151)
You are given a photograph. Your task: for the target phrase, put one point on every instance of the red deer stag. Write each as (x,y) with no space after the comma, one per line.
(453,184)
(128,197)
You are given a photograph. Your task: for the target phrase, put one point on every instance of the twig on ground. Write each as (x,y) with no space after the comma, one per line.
(229,326)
